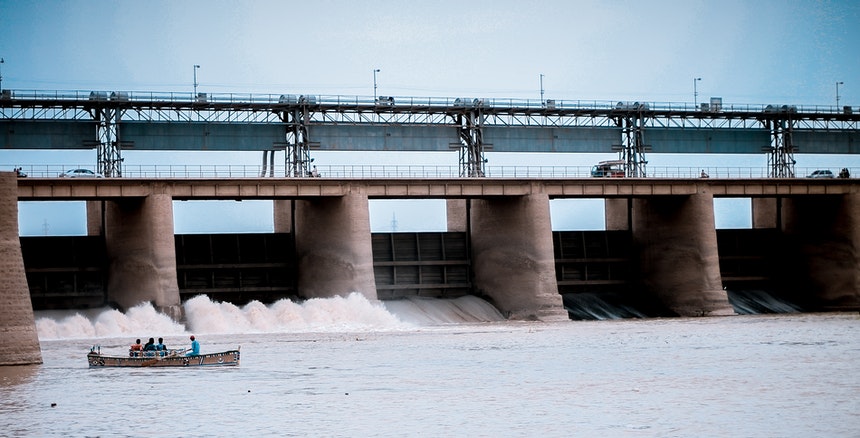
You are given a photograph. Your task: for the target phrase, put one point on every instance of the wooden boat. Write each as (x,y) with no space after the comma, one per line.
(171,358)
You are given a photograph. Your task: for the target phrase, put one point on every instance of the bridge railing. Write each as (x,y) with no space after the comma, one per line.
(406,171)
(398,102)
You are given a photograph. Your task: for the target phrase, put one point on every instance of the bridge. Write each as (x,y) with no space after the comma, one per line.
(511,252)
(113,122)
(505,219)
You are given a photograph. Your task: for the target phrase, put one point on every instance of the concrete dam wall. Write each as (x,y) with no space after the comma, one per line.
(239,268)
(512,257)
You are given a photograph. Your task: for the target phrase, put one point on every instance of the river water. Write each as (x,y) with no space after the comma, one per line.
(346,367)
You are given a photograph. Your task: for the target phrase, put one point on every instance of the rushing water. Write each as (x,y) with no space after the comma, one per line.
(348,367)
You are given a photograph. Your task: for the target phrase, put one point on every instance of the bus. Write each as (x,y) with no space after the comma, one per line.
(609,169)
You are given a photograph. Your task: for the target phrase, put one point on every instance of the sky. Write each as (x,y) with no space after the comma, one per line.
(756,52)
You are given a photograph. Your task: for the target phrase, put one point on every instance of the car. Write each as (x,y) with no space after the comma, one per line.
(80,173)
(609,169)
(821,174)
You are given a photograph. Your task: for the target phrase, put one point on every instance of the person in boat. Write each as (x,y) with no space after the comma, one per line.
(195,347)
(160,345)
(149,347)
(135,348)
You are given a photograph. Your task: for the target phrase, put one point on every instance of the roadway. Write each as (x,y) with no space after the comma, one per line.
(62,189)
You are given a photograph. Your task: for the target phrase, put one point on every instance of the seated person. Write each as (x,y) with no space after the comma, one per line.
(150,346)
(161,347)
(135,348)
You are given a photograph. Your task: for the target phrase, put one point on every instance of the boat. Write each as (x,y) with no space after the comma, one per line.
(171,358)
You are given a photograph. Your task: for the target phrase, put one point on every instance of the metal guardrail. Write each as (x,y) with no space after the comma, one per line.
(405,102)
(409,171)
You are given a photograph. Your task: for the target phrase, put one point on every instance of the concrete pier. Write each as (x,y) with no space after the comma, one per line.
(282,210)
(617,213)
(95,218)
(19,342)
(823,250)
(334,246)
(765,213)
(455,214)
(141,253)
(512,256)
(679,262)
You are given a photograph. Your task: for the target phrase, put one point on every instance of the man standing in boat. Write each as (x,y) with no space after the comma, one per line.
(195,347)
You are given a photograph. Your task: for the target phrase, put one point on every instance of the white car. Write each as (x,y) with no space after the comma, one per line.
(80,173)
(821,174)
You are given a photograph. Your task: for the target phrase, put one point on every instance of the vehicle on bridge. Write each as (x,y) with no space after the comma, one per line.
(826,173)
(609,169)
(80,173)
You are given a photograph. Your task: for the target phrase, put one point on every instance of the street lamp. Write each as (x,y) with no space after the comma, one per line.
(1,74)
(375,71)
(695,92)
(837,92)
(541,89)
(195,81)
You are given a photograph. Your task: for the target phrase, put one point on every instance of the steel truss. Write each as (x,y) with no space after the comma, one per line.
(467,116)
(633,147)
(780,153)
(471,142)
(109,152)
(298,156)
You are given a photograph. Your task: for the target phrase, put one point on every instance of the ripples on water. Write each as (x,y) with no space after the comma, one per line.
(349,367)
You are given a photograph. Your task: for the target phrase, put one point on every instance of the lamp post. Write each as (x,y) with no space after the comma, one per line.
(541,89)
(837,93)
(195,81)
(375,71)
(1,74)
(695,92)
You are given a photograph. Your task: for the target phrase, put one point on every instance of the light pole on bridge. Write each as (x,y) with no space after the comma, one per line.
(837,92)
(2,61)
(542,102)
(196,66)
(375,71)
(695,92)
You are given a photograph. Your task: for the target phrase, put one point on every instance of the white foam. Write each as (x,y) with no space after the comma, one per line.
(431,311)
(140,319)
(337,314)
(351,313)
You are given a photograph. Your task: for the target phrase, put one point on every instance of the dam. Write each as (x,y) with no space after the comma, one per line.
(660,238)
(660,242)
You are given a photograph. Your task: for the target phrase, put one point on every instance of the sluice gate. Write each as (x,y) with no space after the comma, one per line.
(68,272)
(237,268)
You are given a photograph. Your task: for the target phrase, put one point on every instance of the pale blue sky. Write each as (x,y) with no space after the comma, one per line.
(745,52)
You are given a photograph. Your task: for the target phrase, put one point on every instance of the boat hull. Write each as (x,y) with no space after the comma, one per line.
(224,358)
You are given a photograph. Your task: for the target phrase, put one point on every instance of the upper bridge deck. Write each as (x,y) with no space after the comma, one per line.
(236,122)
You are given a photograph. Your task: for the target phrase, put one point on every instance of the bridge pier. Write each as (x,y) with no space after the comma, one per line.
(823,257)
(95,218)
(616,214)
(455,213)
(512,256)
(141,253)
(679,261)
(282,210)
(334,247)
(765,213)
(19,341)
